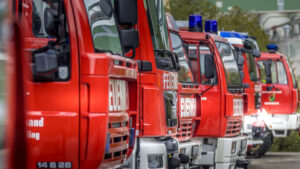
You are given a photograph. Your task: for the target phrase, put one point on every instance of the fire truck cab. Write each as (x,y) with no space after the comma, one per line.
(215,68)
(82,96)
(245,46)
(188,102)
(155,144)
(280,94)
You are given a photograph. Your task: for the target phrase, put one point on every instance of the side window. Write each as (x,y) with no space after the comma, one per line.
(193,60)
(204,50)
(184,74)
(38,8)
(51,62)
(273,73)
(252,67)
(282,78)
(293,75)
(262,71)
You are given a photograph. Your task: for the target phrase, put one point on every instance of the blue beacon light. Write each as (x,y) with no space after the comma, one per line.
(272,48)
(195,23)
(227,34)
(211,26)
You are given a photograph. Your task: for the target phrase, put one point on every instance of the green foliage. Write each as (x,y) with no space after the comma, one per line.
(233,20)
(289,144)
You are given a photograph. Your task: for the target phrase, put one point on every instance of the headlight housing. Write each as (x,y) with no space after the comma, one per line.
(195,150)
(155,161)
(233,147)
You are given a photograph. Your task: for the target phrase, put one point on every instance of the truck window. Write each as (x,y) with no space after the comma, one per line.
(185,73)
(292,73)
(231,69)
(192,52)
(203,50)
(251,67)
(38,29)
(103,26)
(274,73)
(282,78)
(158,24)
(262,71)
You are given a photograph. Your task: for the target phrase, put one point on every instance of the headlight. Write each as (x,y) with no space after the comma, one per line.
(233,147)
(155,161)
(188,107)
(238,107)
(195,150)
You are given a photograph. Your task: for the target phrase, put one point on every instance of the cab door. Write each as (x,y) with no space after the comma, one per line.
(276,95)
(210,91)
(53,96)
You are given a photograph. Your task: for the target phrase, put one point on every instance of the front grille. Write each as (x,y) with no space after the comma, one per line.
(119,138)
(234,126)
(185,131)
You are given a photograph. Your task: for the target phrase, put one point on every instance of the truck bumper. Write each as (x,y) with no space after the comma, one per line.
(230,150)
(152,154)
(225,152)
(192,149)
(280,124)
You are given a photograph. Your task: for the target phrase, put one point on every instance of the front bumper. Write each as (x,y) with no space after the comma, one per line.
(187,149)
(280,124)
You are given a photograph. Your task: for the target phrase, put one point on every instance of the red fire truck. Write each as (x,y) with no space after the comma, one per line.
(258,139)
(89,103)
(188,100)
(158,84)
(280,95)
(222,106)
(82,98)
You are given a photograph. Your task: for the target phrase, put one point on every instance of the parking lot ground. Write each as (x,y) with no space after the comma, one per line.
(277,160)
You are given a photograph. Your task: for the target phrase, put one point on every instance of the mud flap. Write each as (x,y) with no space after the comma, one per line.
(242,164)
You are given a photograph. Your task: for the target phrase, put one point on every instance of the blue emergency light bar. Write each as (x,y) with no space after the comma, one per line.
(228,34)
(272,47)
(195,23)
(211,26)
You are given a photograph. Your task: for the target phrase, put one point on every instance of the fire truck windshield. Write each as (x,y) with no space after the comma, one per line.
(103,26)
(158,24)
(185,73)
(231,69)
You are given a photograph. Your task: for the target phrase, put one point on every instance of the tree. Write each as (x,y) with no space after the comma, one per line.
(181,9)
(233,20)
(240,21)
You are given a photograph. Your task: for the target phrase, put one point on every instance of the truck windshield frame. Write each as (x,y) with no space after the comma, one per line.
(103,27)
(158,24)
(231,69)
(185,74)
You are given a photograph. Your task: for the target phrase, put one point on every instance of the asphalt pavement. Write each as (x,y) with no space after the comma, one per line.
(277,161)
(270,161)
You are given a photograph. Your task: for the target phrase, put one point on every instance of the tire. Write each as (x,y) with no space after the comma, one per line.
(267,142)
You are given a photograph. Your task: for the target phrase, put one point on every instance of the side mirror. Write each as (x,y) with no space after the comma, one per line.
(45,62)
(51,22)
(126,11)
(256,53)
(129,38)
(209,66)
